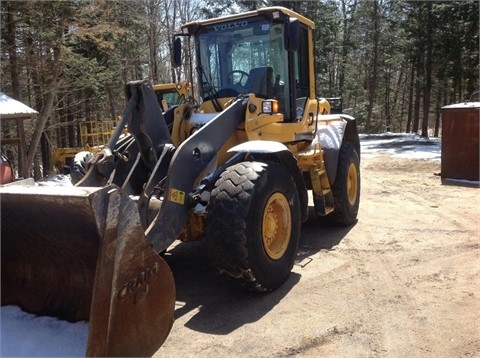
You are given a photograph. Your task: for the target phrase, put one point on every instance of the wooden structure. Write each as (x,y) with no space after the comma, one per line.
(460,141)
(17,112)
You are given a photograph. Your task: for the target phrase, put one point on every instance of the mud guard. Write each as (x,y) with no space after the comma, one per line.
(330,134)
(262,149)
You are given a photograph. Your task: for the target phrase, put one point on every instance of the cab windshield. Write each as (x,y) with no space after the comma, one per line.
(244,56)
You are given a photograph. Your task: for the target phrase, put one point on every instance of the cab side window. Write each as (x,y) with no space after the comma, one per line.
(302,79)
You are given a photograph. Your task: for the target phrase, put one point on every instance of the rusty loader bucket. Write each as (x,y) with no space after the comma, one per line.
(79,253)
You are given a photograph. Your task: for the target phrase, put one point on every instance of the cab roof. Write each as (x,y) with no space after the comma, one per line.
(274,11)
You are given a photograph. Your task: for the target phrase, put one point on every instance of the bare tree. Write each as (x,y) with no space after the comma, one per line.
(373,74)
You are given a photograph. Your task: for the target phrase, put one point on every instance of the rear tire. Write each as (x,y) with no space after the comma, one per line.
(346,189)
(253,225)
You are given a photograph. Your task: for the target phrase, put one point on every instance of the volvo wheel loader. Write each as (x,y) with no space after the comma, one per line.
(235,168)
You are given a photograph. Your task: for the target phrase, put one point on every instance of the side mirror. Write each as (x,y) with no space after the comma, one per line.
(177,52)
(292,35)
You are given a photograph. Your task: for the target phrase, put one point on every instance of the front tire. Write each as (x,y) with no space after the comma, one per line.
(253,225)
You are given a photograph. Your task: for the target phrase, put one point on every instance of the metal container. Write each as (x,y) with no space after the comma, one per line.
(460,144)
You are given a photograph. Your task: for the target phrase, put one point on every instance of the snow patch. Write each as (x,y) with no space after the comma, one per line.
(401,145)
(27,335)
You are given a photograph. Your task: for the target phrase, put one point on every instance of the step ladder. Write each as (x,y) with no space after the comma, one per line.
(322,192)
(313,161)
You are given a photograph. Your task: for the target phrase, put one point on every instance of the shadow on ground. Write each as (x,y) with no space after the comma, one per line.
(317,235)
(221,307)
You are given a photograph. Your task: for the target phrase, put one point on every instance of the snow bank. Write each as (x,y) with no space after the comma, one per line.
(27,335)
(402,145)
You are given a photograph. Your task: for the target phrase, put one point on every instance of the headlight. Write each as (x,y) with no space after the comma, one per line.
(270,106)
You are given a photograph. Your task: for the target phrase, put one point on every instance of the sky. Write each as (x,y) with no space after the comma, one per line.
(26,335)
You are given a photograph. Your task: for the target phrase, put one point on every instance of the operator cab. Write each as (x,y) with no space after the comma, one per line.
(264,53)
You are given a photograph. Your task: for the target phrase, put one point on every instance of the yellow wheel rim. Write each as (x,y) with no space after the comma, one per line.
(276,226)
(352,183)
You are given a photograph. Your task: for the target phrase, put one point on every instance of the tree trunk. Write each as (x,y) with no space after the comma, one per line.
(12,50)
(45,149)
(169,27)
(372,81)
(42,118)
(410,101)
(387,105)
(428,72)
(72,142)
(438,112)
(111,103)
(347,19)
(61,130)
(47,108)
(418,94)
(153,39)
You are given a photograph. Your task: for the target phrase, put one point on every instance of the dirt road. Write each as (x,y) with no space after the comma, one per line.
(403,282)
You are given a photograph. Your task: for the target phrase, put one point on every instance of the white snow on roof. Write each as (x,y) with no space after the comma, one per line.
(12,107)
(463,105)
